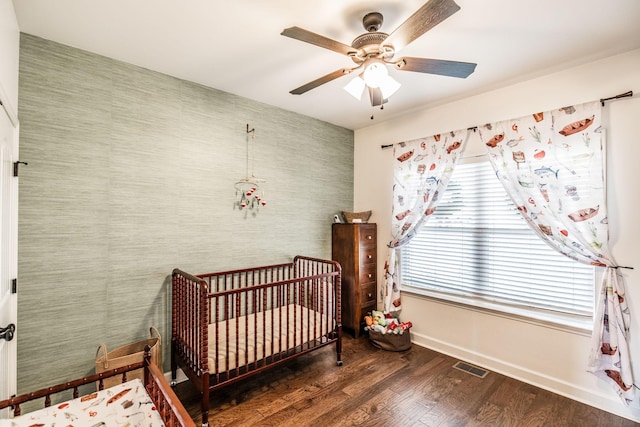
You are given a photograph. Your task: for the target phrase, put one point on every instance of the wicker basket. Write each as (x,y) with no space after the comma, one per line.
(362,216)
(128,354)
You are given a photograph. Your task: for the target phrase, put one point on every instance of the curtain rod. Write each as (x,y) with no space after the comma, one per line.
(473,128)
(622,95)
(602,101)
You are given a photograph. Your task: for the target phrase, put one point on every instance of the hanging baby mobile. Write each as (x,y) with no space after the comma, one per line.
(248,192)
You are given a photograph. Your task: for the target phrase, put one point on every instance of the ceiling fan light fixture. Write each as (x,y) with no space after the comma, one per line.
(375,73)
(389,86)
(375,76)
(355,87)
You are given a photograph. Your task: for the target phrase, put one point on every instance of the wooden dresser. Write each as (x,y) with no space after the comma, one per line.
(354,246)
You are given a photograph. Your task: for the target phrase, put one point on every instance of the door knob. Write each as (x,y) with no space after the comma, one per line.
(7,333)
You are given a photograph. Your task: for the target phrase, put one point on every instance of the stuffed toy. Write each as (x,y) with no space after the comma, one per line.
(379,318)
(385,323)
(368,320)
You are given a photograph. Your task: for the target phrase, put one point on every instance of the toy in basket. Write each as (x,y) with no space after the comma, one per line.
(388,332)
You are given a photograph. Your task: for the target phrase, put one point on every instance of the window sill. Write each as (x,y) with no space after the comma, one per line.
(559,321)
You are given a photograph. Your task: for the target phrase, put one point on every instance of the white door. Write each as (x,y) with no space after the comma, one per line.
(8,255)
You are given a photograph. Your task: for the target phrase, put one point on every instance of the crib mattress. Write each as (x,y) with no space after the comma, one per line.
(256,336)
(123,404)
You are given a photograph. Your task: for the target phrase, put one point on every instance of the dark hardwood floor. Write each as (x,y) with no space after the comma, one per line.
(418,387)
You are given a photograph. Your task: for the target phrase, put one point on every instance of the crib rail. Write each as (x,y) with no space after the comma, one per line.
(74,385)
(167,403)
(190,317)
(238,279)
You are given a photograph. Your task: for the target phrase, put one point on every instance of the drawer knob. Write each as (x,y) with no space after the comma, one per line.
(369,275)
(369,257)
(369,237)
(369,295)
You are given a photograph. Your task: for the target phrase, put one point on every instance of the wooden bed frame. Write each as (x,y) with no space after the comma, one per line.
(166,402)
(232,324)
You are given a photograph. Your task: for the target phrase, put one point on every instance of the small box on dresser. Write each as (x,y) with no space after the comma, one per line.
(354,246)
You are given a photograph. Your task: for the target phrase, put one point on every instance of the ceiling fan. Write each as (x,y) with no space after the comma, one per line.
(373,51)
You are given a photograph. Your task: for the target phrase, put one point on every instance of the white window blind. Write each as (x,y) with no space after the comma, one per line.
(477,245)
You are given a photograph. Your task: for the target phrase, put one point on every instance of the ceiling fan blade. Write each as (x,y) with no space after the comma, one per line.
(318,40)
(322,80)
(428,16)
(375,94)
(436,66)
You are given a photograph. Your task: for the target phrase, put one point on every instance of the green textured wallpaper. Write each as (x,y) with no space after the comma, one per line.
(131,173)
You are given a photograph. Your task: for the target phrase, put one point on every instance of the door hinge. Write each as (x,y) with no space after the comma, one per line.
(14,286)
(16,166)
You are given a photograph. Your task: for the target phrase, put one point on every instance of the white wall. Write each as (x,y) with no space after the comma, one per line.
(550,358)
(9,55)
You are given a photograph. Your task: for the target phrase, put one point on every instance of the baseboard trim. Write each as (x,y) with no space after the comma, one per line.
(606,402)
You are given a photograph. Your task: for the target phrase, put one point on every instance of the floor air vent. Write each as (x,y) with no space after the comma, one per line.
(470,369)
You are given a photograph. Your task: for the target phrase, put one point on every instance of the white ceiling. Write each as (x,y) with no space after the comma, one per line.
(236,46)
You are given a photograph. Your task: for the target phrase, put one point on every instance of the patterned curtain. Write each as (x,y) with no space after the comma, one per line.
(552,166)
(421,173)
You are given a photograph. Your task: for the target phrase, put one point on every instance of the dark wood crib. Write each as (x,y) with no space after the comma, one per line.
(232,324)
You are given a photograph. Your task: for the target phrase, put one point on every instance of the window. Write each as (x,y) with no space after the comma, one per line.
(477,246)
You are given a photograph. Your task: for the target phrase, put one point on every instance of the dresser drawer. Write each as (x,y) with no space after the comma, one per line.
(368,236)
(368,254)
(368,274)
(368,295)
